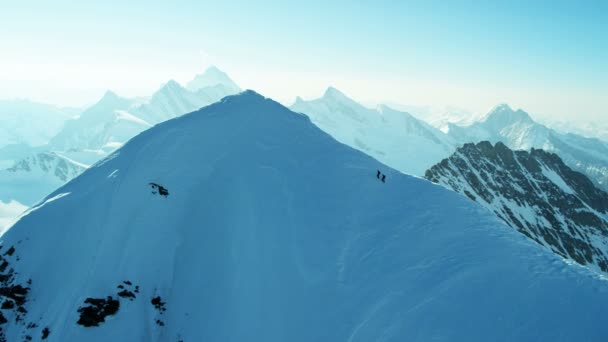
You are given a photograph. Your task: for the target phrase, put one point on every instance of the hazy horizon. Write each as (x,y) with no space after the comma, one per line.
(546,58)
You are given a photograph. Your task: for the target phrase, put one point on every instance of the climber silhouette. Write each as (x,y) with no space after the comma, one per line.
(383,178)
(378,174)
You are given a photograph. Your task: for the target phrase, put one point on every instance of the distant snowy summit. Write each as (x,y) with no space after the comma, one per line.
(93,134)
(213,78)
(394,138)
(535,193)
(243,221)
(517,130)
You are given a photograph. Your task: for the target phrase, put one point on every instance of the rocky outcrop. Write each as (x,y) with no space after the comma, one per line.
(535,193)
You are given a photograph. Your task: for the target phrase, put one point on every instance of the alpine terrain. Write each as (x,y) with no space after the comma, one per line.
(535,193)
(517,130)
(27,174)
(394,138)
(243,221)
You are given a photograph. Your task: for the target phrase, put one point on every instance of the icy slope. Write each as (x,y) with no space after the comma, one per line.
(535,193)
(517,130)
(273,231)
(394,138)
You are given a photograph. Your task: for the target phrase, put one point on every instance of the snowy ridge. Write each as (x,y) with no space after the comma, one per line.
(270,230)
(394,138)
(535,193)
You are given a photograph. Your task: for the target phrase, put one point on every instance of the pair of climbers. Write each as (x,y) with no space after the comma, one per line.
(381,176)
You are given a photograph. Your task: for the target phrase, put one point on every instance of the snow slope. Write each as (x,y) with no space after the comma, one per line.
(273,231)
(394,138)
(517,130)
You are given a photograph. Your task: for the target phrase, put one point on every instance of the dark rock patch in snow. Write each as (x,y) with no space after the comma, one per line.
(159,189)
(97,311)
(127,290)
(158,304)
(45,333)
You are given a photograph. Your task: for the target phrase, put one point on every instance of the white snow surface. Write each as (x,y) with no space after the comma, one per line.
(273,231)
(395,138)
(9,211)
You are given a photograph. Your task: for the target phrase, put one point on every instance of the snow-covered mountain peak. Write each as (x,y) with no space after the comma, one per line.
(110,95)
(109,101)
(395,138)
(243,221)
(170,86)
(212,77)
(334,94)
(503,115)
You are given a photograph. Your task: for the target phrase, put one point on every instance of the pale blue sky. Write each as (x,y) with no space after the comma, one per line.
(549,57)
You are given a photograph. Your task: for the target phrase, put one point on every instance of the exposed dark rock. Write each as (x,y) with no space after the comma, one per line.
(17,293)
(126,294)
(535,193)
(8,305)
(10,251)
(45,333)
(159,189)
(158,304)
(97,311)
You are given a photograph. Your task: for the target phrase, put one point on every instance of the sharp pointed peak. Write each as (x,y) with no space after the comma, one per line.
(333,92)
(212,76)
(504,114)
(109,94)
(502,107)
(172,84)
(212,69)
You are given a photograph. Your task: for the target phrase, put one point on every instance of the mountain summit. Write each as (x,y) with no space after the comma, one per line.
(393,137)
(243,221)
(213,77)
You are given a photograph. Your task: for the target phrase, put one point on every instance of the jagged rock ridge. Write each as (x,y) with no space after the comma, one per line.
(535,193)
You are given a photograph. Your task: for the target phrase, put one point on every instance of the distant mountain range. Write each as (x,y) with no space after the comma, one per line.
(31,168)
(395,138)
(24,122)
(243,221)
(535,193)
(517,130)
